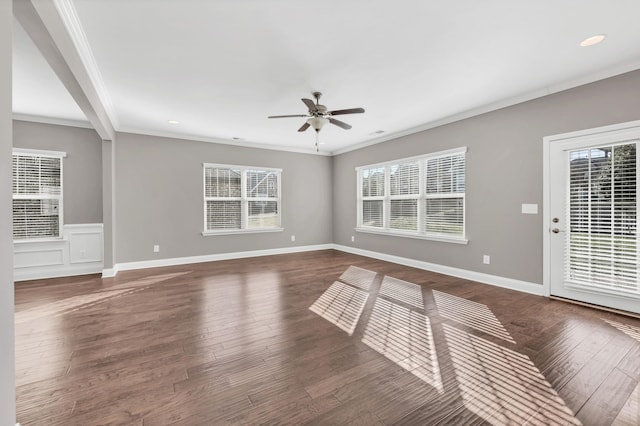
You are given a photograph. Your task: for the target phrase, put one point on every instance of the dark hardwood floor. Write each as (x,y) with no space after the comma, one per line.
(318,338)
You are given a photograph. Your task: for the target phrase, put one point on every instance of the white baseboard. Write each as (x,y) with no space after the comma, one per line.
(510,283)
(110,272)
(55,272)
(127,266)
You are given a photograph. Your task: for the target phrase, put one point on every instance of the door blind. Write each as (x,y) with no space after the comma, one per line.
(602,240)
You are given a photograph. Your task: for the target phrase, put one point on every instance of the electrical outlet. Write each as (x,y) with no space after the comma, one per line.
(156,248)
(486,259)
(353,239)
(293,238)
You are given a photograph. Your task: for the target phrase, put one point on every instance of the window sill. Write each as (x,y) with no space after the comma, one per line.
(431,237)
(40,240)
(241,231)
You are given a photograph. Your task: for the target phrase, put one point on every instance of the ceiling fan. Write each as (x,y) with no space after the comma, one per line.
(319,115)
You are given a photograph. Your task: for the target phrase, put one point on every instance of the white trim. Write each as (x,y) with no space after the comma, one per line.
(210,139)
(421,197)
(69,16)
(52,120)
(630,129)
(109,272)
(40,259)
(416,158)
(45,273)
(244,199)
(513,284)
(40,153)
(128,266)
(570,84)
(240,231)
(84,225)
(241,168)
(509,283)
(412,234)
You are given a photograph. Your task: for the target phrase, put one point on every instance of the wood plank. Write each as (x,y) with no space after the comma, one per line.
(234,342)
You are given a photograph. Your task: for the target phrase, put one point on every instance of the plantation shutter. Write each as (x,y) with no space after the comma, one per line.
(445,189)
(37,195)
(405,191)
(372,192)
(602,235)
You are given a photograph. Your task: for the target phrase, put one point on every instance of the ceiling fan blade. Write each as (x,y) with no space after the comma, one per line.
(309,103)
(347,111)
(339,123)
(285,116)
(304,127)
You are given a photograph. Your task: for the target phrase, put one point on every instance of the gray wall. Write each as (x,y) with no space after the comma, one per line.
(7,354)
(159,198)
(504,169)
(82,167)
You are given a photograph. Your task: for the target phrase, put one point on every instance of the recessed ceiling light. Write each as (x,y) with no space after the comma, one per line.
(377,132)
(592,40)
(235,138)
(173,122)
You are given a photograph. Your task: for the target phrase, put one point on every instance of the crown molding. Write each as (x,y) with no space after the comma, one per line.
(71,21)
(52,120)
(569,84)
(245,144)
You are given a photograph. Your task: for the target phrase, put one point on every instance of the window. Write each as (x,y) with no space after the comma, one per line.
(241,199)
(37,194)
(415,197)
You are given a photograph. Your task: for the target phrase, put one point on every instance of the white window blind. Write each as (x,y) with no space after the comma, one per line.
(404,180)
(420,196)
(373,197)
(37,194)
(602,238)
(445,190)
(240,198)
(262,195)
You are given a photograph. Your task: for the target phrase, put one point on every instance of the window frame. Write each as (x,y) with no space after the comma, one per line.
(244,200)
(421,198)
(61,155)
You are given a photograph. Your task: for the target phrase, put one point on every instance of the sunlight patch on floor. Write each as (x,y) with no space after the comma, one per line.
(472,314)
(341,305)
(502,386)
(402,291)
(358,277)
(405,337)
(633,332)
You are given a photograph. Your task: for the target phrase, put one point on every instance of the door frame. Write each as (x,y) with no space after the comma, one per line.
(628,127)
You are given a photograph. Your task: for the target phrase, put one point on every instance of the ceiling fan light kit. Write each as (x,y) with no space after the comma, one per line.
(317,123)
(319,115)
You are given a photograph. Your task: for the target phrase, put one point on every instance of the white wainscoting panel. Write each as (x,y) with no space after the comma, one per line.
(78,252)
(85,245)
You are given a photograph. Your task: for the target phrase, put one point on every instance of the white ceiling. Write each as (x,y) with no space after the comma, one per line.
(221,67)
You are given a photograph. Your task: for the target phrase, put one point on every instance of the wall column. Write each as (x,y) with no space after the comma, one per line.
(108,207)
(7,333)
